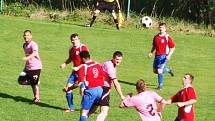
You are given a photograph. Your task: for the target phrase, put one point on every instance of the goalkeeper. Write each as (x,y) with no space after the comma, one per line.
(103,5)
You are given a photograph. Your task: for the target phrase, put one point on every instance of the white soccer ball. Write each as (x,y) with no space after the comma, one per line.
(146,21)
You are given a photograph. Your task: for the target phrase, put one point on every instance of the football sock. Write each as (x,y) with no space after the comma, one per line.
(167,70)
(160,80)
(93,19)
(83,118)
(69,97)
(117,24)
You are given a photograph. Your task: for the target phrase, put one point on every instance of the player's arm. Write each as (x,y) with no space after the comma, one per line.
(68,88)
(171,51)
(33,54)
(168,102)
(189,102)
(68,60)
(152,51)
(118,88)
(162,104)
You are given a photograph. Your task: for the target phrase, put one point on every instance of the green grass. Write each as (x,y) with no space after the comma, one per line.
(194,53)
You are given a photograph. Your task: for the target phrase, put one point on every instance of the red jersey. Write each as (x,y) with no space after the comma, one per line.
(91,74)
(162,44)
(74,54)
(186,112)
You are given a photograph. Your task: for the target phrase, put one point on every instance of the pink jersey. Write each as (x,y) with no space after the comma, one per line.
(109,70)
(91,74)
(162,44)
(146,105)
(186,112)
(34,63)
(74,54)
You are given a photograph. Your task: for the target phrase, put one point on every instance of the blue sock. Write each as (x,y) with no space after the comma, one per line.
(160,80)
(166,70)
(69,97)
(83,118)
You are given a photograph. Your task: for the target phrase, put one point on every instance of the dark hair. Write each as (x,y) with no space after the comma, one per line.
(27,31)
(118,54)
(84,54)
(74,35)
(162,24)
(140,85)
(191,76)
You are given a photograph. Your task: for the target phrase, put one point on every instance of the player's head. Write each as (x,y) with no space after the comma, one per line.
(27,35)
(188,78)
(75,39)
(85,56)
(140,86)
(117,57)
(162,27)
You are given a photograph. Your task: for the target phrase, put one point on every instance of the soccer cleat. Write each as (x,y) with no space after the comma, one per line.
(158,88)
(36,100)
(87,25)
(69,110)
(171,72)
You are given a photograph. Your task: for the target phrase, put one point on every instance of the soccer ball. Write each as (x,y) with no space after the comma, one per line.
(146,21)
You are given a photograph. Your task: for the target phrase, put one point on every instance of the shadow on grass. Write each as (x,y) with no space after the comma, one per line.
(134,84)
(26,100)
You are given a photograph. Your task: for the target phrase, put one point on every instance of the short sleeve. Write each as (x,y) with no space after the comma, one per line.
(191,93)
(34,47)
(171,44)
(157,97)
(129,102)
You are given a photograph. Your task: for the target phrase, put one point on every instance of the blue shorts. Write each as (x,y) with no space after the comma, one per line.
(72,78)
(178,119)
(159,61)
(91,96)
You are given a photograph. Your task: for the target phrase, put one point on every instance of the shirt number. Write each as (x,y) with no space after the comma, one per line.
(150,108)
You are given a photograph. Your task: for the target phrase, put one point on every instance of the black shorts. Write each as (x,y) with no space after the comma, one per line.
(29,77)
(105,100)
(110,6)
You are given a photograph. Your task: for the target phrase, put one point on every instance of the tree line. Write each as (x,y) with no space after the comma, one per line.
(198,11)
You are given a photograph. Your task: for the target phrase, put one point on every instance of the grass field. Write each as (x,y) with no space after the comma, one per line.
(194,54)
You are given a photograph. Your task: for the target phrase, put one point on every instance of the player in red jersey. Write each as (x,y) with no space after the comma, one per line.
(91,74)
(163,46)
(185,100)
(74,57)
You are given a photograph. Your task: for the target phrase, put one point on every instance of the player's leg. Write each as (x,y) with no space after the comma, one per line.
(34,80)
(159,64)
(104,102)
(103,114)
(90,97)
(95,14)
(69,95)
(115,20)
(168,70)
(111,8)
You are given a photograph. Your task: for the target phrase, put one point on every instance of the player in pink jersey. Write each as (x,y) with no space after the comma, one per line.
(74,57)
(145,102)
(109,68)
(33,65)
(185,100)
(163,46)
(91,75)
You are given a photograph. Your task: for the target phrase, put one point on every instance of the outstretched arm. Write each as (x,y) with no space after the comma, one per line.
(118,88)
(189,102)
(162,105)
(68,60)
